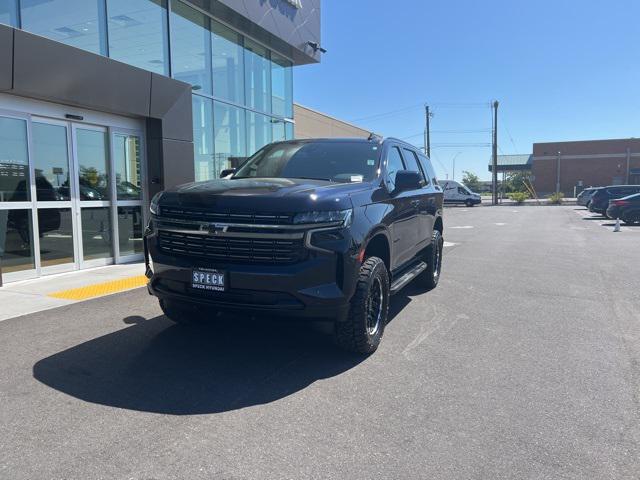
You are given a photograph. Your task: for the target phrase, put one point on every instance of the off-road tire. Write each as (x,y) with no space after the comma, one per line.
(353,334)
(433,257)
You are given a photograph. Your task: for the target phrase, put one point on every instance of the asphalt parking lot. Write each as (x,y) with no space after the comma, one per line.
(523,363)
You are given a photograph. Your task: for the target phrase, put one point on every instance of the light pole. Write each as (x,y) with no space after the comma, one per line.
(558,172)
(453,166)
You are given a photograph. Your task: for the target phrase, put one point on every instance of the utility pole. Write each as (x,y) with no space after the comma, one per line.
(427,132)
(558,172)
(494,160)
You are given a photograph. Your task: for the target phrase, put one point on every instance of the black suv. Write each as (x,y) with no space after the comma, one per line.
(322,229)
(600,198)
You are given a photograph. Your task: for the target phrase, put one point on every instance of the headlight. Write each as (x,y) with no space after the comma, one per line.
(338,217)
(153,207)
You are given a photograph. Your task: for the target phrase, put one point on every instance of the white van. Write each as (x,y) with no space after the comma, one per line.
(455,192)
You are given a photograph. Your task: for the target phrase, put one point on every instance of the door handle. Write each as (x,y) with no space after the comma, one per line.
(415,203)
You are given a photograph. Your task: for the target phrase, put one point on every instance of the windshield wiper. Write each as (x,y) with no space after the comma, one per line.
(312,178)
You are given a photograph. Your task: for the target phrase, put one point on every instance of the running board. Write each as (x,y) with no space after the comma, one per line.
(406,277)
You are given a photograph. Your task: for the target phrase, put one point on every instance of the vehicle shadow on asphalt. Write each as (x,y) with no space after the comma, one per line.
(155,366)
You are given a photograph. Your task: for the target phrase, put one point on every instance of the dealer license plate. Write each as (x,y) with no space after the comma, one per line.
(209,279)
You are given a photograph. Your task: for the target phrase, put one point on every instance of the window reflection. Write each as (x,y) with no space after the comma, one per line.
(14,161)
(56,236)
(230,136)
(51,162)
(257,76)
(96,233)
(190,46)
(203,138)
(8,11)
(282,86)
(228,63)
(126,152)
(130,225)
(72,22)
(16,241)
(138,33)
(258,131)
(92,160)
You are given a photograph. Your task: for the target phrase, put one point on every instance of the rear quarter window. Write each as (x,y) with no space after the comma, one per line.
(428,168)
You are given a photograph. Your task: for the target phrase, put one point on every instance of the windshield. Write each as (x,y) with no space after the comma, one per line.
(331,161)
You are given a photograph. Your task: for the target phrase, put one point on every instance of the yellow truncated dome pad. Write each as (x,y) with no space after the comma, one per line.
(99,289)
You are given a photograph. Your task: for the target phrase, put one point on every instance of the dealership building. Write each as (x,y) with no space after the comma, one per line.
(569,167)
(103,103)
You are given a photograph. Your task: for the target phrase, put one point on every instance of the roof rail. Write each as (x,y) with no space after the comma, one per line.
(375,136)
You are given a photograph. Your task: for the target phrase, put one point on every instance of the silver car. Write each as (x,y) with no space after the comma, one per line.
(584,197)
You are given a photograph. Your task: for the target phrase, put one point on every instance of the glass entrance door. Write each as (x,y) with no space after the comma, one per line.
(126,148)
(54,194)
(71,195)
(91,154)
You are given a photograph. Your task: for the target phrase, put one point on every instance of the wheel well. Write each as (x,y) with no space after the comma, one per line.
(378,246)
(438,225)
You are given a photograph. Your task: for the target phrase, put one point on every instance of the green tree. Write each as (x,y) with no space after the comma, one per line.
(471,180)
(514,181)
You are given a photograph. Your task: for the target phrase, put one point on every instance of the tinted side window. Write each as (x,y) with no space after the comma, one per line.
(412,164)
(428,168)
(462,191)
(394,163)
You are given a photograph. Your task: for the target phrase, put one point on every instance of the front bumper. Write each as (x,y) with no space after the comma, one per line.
(319,287)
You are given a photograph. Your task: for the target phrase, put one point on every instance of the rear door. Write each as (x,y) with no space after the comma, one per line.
(434,192)
(420,199)
(404,211)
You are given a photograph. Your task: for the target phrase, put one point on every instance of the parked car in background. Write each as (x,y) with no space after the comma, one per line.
(600,198)
(626,209)
(455,192)
(584,197)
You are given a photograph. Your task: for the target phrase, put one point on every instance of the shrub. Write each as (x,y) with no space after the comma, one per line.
(518,197)
(556,198)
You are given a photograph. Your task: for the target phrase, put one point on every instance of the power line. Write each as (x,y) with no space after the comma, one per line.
(485,130)
(390,113)
(456,145)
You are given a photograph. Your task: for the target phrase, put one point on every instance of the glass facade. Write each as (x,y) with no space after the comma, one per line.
(79,23)
(138,33)
(230,136)
(243,92)
(203,138)
(14,161)
(9,12)
(190,47)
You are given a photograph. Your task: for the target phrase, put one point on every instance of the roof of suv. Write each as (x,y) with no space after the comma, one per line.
(373,139)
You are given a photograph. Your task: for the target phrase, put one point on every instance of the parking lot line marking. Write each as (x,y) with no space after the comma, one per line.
(100,289)
(500,224)
(449,244)
(463,226)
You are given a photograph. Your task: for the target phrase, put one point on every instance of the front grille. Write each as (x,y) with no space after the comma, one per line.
(252,250)
(205,215)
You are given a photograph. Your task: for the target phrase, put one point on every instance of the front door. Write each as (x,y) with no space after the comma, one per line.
(71,194)
(55,193)
(94,199)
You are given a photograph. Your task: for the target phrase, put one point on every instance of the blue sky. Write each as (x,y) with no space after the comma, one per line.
(562,70)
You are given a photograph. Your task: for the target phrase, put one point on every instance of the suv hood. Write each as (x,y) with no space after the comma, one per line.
(264,195)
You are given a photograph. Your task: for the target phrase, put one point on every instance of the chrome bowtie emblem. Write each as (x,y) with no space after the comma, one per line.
(213,228)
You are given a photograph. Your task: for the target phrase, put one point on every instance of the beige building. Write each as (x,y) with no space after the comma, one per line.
(313,124)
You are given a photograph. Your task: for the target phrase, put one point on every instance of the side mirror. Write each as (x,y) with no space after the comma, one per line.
(407,180)
(226,172)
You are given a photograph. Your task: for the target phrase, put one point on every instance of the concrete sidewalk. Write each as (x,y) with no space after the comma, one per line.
(30,296)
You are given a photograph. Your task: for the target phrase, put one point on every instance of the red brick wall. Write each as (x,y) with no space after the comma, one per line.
(598,171)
